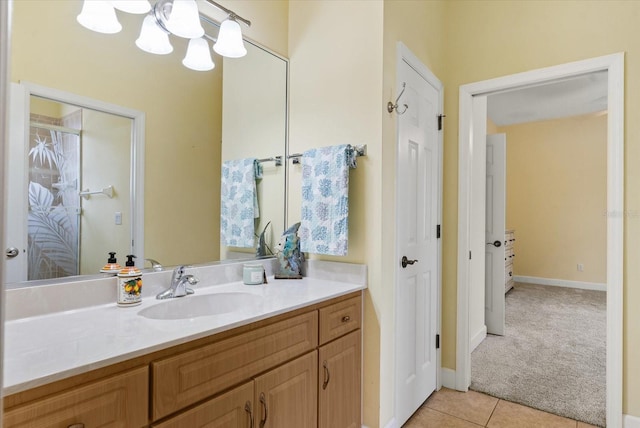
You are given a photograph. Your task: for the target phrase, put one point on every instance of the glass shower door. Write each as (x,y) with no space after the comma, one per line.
(54,203)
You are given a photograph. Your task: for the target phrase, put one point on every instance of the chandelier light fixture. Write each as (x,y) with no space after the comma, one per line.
(166,17)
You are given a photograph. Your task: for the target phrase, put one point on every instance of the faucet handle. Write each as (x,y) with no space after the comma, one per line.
(177,273)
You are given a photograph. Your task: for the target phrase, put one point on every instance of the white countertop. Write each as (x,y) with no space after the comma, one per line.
(45,348)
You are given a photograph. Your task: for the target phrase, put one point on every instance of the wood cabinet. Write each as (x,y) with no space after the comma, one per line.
(339,319)
(234,409)
(509,255)
(287,396)
(339,383)
(270,374)
(119,401)
(189,377)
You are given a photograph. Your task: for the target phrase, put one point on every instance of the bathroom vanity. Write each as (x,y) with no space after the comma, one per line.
(291,359)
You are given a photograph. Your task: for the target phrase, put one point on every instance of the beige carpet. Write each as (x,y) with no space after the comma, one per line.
(552,357)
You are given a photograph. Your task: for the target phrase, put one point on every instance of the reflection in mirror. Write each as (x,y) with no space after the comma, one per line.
(184,112)
(253,126)
(73,153)
(72,180)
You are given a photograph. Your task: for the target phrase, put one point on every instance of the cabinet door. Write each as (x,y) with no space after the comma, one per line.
(287,396)
(119,401)
(339,384)
(234,409)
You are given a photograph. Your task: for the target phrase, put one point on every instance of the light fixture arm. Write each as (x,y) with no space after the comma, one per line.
(229,12)
(162,9)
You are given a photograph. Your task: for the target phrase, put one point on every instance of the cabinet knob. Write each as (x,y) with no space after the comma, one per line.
(346,318)
(76,426)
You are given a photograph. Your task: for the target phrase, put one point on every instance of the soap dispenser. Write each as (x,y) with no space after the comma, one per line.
(112,265)
(129,284)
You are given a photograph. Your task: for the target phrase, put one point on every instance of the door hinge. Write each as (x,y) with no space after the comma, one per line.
(438,232)
(437,341)
(440,121)
(469,255)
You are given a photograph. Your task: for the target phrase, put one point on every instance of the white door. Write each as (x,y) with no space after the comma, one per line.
(495,225)
(416,227)
(15,227)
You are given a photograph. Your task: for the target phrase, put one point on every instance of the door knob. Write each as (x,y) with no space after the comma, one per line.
(496,243)
(405,261)
(12,252)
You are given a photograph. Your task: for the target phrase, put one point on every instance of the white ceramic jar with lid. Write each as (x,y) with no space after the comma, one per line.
(253,273)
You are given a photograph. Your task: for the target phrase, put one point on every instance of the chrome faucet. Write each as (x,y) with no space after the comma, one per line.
(178,287)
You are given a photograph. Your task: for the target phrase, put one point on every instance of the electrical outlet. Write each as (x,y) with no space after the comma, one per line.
(118,218)
(580,267)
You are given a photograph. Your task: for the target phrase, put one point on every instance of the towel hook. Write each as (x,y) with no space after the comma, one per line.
(391,107)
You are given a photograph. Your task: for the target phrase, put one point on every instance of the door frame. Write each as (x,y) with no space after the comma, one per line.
(5,36)
(614,65)
(404,55)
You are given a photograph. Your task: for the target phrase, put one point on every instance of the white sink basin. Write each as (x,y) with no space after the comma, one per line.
(194,306)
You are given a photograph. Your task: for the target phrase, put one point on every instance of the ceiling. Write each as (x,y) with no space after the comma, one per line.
(569,97)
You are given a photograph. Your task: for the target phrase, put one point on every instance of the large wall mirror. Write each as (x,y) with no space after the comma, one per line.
(193,122)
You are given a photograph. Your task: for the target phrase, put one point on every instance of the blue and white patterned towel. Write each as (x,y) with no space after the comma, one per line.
(239,202)
(325,199)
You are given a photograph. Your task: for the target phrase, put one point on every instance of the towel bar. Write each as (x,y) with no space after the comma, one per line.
(276,159)
(360,150)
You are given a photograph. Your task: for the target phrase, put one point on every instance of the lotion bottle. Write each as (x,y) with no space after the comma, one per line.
(129,284)
(112,265)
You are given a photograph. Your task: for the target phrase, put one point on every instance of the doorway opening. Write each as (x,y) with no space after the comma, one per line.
(471,197)
(545,295)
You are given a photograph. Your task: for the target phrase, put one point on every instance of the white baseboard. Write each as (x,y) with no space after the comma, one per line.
(478,338)
(391,423)
(629,421)
(561,283)
(448,378)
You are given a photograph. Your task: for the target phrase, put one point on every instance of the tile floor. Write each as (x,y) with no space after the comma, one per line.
(453,409)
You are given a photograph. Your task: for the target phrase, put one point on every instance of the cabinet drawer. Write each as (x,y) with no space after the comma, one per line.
(234,409)
(508,272)
(339,319)
(189,377)
(119,401)
(508,255)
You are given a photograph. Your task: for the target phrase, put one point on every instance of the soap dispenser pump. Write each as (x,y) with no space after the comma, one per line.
(112,265)
(129,284)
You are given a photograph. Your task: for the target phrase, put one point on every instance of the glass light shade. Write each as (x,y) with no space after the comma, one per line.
(198,56)
(184,20)
(132,6)
(230,43)
(153,39)
(100,16)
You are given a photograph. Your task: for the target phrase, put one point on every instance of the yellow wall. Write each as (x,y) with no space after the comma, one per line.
(487,39)
(106,146)
(336,80)
(491,127)
(557,197)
